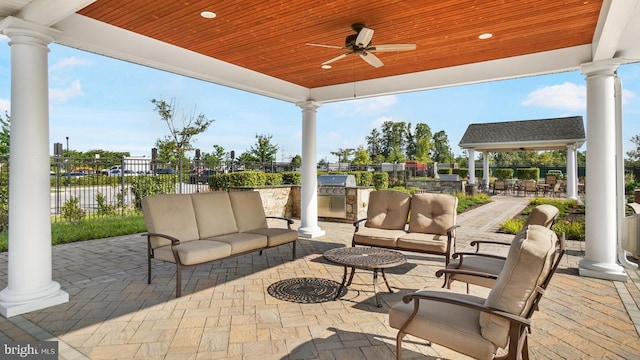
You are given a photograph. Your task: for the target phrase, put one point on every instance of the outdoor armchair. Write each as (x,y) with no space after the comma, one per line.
(476,326)
(482,269)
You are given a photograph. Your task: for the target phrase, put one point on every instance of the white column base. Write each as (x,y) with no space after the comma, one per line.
(604,271)
(311,232)
(12,303)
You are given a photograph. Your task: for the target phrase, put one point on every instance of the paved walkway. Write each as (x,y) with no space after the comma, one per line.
(226,312)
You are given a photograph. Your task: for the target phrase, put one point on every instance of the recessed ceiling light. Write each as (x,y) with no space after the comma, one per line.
(326,66)
(485,36)
(208,14)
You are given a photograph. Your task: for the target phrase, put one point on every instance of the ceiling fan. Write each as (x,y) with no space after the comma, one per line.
(360,44)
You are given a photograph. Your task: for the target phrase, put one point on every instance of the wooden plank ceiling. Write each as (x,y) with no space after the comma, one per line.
(269,36)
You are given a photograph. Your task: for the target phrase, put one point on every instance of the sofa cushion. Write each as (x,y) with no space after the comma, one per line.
(528,264)
(170,215)
(194,252)
(276,236)
(388,209)
(248,210)
(432,213)
(423,242)
(214,214)
(377,237)
(452,326)
(242,242)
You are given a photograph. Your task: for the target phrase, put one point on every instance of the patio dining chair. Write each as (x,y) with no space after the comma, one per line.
(500,185)
(480,327)
(481,268)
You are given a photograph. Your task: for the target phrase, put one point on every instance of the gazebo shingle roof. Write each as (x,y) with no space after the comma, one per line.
(538,134)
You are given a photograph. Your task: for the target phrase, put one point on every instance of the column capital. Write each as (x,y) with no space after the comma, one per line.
(602,67)
(309,104)
(21,31)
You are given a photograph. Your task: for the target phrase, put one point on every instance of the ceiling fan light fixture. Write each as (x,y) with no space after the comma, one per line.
(208,14)
(485,36)
(326,66)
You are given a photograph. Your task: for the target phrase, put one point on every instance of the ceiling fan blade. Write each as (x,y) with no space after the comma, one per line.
(335,59)
(371,59)
(364,37)
(327,46)
(392,47)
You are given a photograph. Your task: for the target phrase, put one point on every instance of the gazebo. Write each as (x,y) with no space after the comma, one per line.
(565,133)
(264,48)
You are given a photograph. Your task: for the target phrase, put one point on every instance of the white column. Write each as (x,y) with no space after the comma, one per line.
(572,172)
(601,226)
(30,286)
(472,166)
(485,170)
(309,198)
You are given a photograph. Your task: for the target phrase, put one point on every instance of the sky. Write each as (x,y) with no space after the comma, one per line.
(104,103)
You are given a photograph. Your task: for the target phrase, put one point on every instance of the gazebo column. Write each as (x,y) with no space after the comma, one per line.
(572,172)
(472,167)
(601,225)
(309,198)
(29,286)
(485,169)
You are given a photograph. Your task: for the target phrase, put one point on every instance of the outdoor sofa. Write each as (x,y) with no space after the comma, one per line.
(431,219)
(194,229)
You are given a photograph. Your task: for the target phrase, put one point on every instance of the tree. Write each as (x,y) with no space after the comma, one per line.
(179,140)
(296,161)
(4,134)
(264,150)
(374,141)
(343,154)
(361,156)
(633,155)
(441,152)
(216,157)
(410,141)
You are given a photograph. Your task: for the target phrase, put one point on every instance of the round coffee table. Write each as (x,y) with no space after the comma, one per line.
(375,259)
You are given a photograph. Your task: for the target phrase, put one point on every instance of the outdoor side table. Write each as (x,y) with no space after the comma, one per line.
(375,259)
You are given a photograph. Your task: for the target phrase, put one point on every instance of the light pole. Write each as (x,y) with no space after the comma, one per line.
(68,165)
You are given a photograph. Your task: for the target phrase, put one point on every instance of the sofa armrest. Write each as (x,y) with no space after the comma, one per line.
(289,221)
(174,241)
(356,224)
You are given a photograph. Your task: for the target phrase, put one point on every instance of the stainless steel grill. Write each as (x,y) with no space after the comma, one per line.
(332,199)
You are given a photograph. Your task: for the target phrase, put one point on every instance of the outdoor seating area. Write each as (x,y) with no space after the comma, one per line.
(547,187)
(227,310)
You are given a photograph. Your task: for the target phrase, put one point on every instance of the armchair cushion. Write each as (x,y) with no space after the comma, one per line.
(489,265)
(450,325)
(528,264)
(388,209)
(544,215)
(194,252)
(432,213)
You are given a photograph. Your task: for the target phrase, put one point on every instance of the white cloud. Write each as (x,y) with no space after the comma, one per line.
(62,95)
(368,106)
(567,96)
(67,63)
(5,105)
(377,123)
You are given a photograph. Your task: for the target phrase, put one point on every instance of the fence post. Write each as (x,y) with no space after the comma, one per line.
(122,189)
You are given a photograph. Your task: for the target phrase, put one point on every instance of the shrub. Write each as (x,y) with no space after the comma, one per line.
(445,171)
(291,178)
(462,172)
(71,210)
(273,179)
(103,207)
(380,180)
(504,174)
(142,186)
(529,174)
